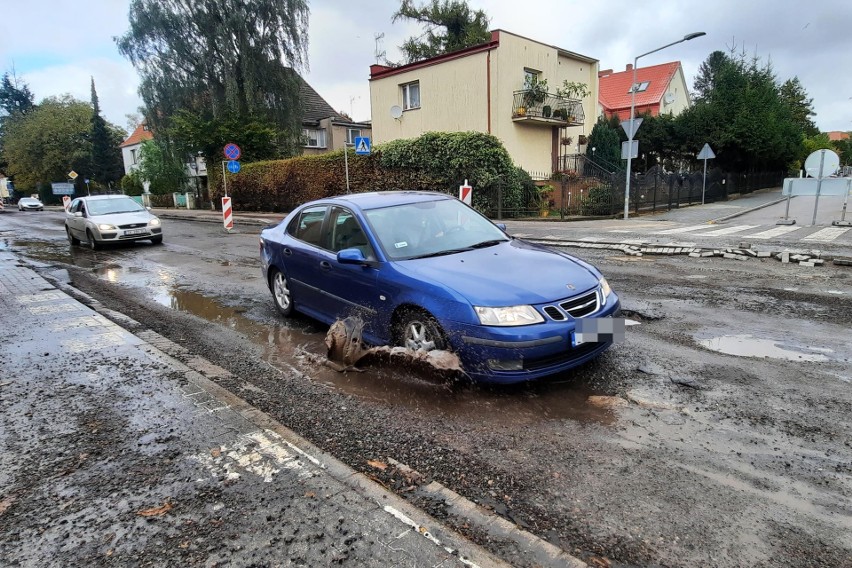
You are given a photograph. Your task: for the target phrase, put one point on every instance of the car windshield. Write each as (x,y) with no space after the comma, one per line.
(108,206)
(431,228)
(29,201)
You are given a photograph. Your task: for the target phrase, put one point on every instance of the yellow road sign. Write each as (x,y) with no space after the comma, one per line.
(72,174)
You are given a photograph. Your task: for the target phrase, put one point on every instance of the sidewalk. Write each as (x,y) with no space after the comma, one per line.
(114,452)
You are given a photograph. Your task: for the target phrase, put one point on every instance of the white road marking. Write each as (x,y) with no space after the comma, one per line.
(771,233)
(682,229)
(825,235)
(727,231)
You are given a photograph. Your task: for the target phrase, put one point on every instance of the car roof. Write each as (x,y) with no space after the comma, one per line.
(102,197)
(379,199)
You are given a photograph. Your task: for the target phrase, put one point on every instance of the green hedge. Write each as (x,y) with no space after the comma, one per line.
(433,162)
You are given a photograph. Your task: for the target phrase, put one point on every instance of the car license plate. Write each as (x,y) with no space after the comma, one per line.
(577,339)
(135,231)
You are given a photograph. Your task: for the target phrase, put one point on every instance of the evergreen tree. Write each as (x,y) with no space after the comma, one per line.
(801,107)
(705,81)
(450,25)
(106,163)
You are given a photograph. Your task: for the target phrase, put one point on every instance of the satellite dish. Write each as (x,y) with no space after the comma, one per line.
(669,98)
(396,112)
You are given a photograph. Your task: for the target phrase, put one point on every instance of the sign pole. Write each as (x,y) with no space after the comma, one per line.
(704,183)
(224,179)
(346,163)
(819,184)
(843,222)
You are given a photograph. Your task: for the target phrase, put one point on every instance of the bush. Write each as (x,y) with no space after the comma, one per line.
(432,162)
(131,184)
(598,201)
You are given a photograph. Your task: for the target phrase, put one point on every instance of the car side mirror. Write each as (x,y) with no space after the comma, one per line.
(351,256)
(78,213)
(501,226)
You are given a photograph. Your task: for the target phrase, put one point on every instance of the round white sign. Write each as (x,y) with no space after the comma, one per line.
(822,163)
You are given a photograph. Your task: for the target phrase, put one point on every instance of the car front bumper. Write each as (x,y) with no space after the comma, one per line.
(130,234)
(518,354)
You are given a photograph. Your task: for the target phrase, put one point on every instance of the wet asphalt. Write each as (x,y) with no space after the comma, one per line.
(113,452)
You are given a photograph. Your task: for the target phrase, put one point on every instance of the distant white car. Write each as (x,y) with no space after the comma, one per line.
(30,204)
(101,219)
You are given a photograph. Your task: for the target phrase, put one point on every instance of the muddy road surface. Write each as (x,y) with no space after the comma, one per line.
(717,434)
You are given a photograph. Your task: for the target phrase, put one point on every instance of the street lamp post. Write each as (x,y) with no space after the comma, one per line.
(631,130)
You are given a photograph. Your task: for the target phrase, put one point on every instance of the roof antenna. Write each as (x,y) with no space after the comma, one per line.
(379,53)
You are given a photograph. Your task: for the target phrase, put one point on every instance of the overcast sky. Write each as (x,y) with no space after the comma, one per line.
(57,45)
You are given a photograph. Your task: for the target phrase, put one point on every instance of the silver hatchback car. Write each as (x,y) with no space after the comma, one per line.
(100,219)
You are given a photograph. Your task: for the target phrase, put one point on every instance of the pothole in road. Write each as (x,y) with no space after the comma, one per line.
(750,346)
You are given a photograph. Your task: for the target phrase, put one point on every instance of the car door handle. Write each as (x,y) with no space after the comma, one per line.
(325,265)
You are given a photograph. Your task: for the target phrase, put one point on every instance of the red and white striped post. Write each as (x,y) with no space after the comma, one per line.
(227,214)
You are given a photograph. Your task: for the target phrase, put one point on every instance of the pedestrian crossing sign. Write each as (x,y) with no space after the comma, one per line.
(362,145)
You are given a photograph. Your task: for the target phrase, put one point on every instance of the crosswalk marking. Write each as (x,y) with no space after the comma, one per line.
(727,231)
(825,235)
(776,232)
(682,230)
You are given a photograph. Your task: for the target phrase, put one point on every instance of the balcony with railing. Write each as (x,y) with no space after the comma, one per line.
(545,108)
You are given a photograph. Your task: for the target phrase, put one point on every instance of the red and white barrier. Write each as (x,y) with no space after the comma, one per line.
(227,214)
(66,202)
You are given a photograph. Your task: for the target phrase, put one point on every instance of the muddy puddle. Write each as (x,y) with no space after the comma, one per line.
(747,345)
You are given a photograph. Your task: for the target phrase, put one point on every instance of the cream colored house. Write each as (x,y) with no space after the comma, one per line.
(485,89)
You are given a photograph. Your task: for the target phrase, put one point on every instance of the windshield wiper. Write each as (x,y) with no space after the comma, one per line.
(441,253)
(485,244)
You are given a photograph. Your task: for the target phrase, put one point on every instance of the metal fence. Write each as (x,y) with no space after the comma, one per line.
(601,194)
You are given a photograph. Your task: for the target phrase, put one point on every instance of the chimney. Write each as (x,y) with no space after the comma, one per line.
(629,67)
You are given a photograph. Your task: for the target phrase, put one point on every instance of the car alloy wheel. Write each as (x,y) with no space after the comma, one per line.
(419,331)
(281,293)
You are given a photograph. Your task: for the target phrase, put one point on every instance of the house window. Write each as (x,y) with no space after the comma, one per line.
(639,87)
(352,134)
(314,137)
(134,159)
(411,95)
(531,77)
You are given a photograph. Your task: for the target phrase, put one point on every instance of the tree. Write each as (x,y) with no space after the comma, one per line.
(219,59)
(15,95)
(48,142)
(794,95)
(450,26)
(161,167)
(106,164)
(740,112)
(16,100)
(705,81)
(604,144)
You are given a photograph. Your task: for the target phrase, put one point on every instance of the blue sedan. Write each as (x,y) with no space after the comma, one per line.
(425,271)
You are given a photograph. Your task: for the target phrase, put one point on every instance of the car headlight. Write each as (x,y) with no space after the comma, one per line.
(605,289)
(155,222)
(106,227)
(508,316)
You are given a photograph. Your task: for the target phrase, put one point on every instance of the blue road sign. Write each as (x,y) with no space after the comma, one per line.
(362,145)
(233,166)
(232,151)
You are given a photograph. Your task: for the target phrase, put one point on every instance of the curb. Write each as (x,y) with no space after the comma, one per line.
(814,258)
(545,554)
(738,213)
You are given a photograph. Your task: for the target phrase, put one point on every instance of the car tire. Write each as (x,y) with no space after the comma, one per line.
(71,238)
(157,240)
(281,294)
(91,242)
(419,330)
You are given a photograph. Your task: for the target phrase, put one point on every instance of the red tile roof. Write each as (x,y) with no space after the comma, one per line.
(139,135)
(614,89)
(837,135)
